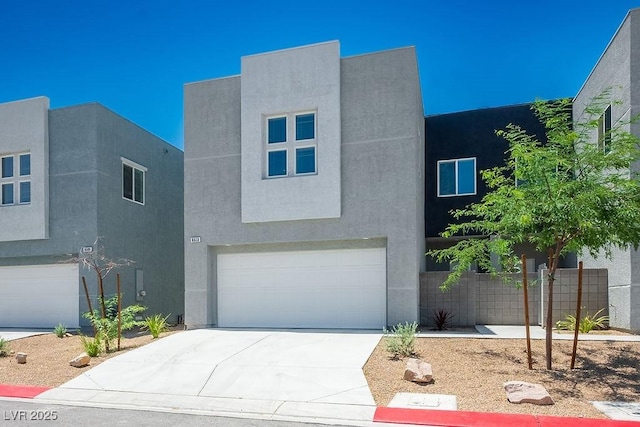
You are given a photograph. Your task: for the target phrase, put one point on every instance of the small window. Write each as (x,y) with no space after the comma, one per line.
(305,126)
(277,130)
(7,167)
(25,164)
(456,177)
(604,130)
(25,192)
(297,146)
(278,163)
(7,194)
(15,179)
(305,160)
(133,181)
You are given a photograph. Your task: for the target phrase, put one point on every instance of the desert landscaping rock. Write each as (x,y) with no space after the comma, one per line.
(522,392)
(21,357)
(80,360)
(418,371)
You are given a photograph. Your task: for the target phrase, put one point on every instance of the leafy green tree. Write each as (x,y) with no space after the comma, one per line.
(568,194)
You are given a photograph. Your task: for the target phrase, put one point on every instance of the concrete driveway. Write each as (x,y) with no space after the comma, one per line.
(271,373)
(11,334)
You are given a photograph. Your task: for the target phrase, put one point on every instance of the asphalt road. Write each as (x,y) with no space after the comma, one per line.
(20,413)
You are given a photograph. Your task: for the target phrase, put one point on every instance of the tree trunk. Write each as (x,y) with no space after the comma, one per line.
(549,323)
(554,259)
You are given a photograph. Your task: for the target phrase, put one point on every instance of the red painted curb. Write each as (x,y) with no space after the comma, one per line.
(451,418)
(24,391)
(486,419)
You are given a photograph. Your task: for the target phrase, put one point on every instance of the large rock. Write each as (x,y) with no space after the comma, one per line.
(418,371)
(21,357)
(80,360)
(521,392)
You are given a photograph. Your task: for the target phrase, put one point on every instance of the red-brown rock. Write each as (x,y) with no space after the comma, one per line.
(418,371)
(521,392)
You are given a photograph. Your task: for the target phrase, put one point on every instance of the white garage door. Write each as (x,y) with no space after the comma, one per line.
(306,289)
(39,296)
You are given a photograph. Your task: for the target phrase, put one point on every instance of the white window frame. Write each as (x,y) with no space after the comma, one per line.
(135,166)
(16,179)
(291,144)
(456,177)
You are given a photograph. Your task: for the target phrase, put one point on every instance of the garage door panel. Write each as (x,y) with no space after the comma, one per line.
(306,289)
(39,296)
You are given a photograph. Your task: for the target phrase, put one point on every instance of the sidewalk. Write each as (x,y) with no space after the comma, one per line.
(518,332)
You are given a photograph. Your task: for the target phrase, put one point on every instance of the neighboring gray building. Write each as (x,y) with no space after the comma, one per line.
(618,69)
(67,176)
(304,191)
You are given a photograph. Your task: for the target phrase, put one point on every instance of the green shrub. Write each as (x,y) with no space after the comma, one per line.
(400,341)
(60,330)
(587,323)
(107,328)
(4,347)
(92,346)
(156,325)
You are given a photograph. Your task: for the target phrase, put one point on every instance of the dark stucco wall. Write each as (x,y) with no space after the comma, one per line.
(467,134)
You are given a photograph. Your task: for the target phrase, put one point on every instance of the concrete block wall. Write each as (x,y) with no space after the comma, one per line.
(460,301)
(565,291)
(501,303)
(480,298)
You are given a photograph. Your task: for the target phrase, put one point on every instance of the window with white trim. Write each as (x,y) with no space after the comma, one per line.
(291,145)
(133,181)
(457,177)
(15,179)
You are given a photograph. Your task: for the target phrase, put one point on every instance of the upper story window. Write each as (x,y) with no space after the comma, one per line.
(291,145)
(133,181)
(457,177)
(15,179)
(604,130)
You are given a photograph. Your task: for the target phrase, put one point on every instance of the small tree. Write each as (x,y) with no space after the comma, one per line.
(97,261)
(567,194)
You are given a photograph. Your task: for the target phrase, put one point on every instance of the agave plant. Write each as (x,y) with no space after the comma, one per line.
(587,323)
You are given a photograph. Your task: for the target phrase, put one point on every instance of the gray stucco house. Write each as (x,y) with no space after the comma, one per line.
(304,191)
(618,70)
(67,176)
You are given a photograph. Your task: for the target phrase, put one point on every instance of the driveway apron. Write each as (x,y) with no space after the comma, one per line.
(242,370)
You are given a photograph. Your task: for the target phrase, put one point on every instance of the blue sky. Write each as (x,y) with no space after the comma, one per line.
(134,56)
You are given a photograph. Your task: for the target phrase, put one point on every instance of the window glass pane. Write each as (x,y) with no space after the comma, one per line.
(607,129)
(7,194)
(447,178)
(466,176)
(139,185)
(7,167)
(25,192)
(277,130)
(127,182)
(306,160)
(25,164)
(305,126)
(277,163)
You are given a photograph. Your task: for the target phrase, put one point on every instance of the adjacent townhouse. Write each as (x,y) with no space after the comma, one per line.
(618,70)
(459,146)
(304,191)
(70,175)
